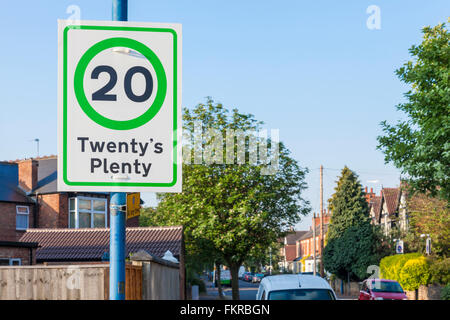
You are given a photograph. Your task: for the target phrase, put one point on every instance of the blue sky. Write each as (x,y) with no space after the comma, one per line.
(311,69)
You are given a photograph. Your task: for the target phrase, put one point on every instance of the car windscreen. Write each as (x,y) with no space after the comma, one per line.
(301,294)
(385,286)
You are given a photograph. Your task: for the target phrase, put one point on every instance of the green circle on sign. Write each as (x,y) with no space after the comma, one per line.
(97,117)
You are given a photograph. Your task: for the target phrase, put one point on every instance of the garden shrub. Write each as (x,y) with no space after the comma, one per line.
(414,273)
(200,283)
(445,294)
(439,270)
(391,266)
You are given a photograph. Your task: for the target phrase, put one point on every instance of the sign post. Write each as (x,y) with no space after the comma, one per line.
(117,228)
(119,115)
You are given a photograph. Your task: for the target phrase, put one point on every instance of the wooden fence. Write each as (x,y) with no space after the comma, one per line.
(149,278)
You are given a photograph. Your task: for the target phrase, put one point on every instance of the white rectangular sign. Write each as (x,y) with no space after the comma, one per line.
(119,106)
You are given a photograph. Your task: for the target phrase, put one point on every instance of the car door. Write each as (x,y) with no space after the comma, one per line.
(364,292)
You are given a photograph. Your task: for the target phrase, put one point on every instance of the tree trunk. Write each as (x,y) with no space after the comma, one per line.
(219,285)
(234,270)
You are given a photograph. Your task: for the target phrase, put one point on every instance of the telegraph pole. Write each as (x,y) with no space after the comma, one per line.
(314,243)
(117,231)
(321,222)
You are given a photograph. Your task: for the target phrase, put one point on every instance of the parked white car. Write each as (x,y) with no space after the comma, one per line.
(295,287)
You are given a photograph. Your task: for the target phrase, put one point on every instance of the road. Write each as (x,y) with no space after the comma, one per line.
(247,291)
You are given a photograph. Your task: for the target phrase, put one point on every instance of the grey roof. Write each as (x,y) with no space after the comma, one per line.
(293,236)
(9,184)
(310,233)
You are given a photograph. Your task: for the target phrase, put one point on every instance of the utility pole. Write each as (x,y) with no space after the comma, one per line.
(314,243)
(321,222)
(117,231)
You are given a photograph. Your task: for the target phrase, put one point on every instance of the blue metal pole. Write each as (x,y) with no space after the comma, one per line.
(118,203)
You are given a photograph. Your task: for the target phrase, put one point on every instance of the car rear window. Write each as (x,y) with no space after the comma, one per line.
(385,286)
(301,294)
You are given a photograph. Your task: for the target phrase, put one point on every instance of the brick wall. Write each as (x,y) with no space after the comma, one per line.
(8,230)
(18,252)
(430,292)
(52,211)
(28,174)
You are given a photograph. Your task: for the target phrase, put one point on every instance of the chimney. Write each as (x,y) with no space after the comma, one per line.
(371,190)
(365,189)
(28,174)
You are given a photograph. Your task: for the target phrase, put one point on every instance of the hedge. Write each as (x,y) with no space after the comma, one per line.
(391,266)
(414,273)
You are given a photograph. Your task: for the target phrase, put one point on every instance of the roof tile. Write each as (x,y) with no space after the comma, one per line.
(91,244)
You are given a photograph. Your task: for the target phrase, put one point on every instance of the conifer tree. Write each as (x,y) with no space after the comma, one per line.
(352,243)
(348,204)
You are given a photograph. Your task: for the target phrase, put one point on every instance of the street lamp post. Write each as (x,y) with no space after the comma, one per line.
(427,243)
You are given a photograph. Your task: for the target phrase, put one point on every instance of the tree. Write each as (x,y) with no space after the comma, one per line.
(234,207)
(430,216)
(352,242)
(348,204)
(420,145)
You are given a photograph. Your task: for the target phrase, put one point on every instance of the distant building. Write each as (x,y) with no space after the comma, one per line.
(389,210)
(288,251)
(305,245)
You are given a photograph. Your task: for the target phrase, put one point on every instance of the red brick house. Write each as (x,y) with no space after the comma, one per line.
(288,251)
(17,213)
(37,177)
(29,200)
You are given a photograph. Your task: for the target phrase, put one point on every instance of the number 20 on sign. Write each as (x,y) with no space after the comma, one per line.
(119,106)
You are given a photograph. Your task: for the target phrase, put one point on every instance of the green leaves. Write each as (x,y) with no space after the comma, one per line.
(234,208)
(420,146)
(351,240)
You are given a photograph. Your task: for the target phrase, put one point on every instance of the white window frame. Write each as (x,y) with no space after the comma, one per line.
(15,260)
(23,214)
(91,211)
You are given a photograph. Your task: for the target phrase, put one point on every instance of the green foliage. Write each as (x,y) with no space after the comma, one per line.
(200,283)
(431,216)
(353,243)
(229,210)
(414,273)
(352,253)
(420,145)
(391,266)
(348,204)
(445,294)
(439,270)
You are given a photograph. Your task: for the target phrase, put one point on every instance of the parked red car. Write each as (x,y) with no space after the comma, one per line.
(381,289)
(248,276)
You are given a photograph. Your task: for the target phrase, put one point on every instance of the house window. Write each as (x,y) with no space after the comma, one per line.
(87,212)
(10,262)
(22,213)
